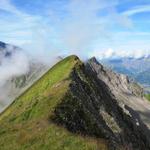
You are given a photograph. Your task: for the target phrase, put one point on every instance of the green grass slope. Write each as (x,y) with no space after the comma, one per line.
(26,124)
(147,96)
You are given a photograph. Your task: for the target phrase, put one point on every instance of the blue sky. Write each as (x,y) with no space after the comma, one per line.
(84,27)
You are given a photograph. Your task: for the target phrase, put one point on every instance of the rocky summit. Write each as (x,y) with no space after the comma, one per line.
(78,106)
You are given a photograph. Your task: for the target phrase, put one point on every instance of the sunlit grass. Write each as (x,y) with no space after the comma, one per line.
(147,96)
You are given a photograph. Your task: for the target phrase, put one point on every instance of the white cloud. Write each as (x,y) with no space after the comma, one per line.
(75,32)
(14,65)
(6,5)
(110,53)
(83,25)
(17,26)
(138,9)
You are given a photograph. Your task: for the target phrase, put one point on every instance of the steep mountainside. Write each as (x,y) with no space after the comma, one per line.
(116,81)
(73,107)
(126,92)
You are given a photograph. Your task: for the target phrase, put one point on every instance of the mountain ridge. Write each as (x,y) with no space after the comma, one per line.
(70,105)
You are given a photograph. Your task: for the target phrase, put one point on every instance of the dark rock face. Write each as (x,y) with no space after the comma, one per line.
(90,108)
(2,45)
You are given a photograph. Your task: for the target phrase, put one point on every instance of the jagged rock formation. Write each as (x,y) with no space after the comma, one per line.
(125,91)
(117,82)
(87,100)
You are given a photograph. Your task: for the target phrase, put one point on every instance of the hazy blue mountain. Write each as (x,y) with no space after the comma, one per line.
(144,77)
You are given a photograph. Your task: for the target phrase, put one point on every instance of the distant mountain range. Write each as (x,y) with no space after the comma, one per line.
(137,69)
